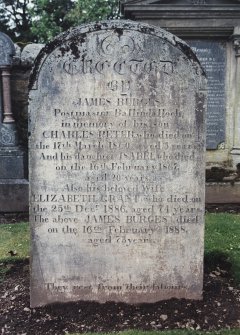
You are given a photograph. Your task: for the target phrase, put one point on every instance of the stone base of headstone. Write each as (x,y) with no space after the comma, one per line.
(13,185)
(16,193)
(12,163)
(217,193)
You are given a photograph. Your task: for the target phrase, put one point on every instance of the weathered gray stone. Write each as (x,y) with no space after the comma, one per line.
(116,166)
(213,28)
(30,53)
(7,50)
(13,195)
(17,56)
(12,164)
(19,85)
(212,55)
(12,157)
(223,193)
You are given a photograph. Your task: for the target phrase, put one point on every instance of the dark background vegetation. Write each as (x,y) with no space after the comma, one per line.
(40,20)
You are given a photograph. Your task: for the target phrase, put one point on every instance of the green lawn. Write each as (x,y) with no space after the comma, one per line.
(222,240)
(14,237)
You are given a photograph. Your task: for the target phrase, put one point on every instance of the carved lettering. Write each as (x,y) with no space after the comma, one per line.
(116,168)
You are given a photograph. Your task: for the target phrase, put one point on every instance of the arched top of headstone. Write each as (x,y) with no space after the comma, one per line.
(7,50)
(68,41)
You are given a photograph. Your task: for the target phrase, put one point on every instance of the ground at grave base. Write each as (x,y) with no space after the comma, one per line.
(220,308)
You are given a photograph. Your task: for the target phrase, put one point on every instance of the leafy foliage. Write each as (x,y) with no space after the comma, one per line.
(55,16)
(93,10)
(41,20)
(50,17)
(15,19)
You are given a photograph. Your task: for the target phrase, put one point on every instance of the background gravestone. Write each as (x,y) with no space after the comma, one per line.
(8,134)
(212,29)
(12,167)
(212,55)
(116,166)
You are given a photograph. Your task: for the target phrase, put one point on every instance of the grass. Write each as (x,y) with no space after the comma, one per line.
(222,240)
(13,237)
(170,332)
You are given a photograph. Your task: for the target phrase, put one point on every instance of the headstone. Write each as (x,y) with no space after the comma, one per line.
(29,53)
(116,166)
(8,135)
(212,55)
(12,157)
(212,28)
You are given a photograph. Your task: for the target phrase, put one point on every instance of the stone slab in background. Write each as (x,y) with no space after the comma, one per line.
(213,57)
(13,186)
(211,27)
(223,193)
(117,144)
(12,165)
(13,195)
(29,53)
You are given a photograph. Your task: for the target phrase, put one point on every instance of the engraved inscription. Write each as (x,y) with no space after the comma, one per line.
(116,190)
(212,56)
(122,67)
(124,45)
